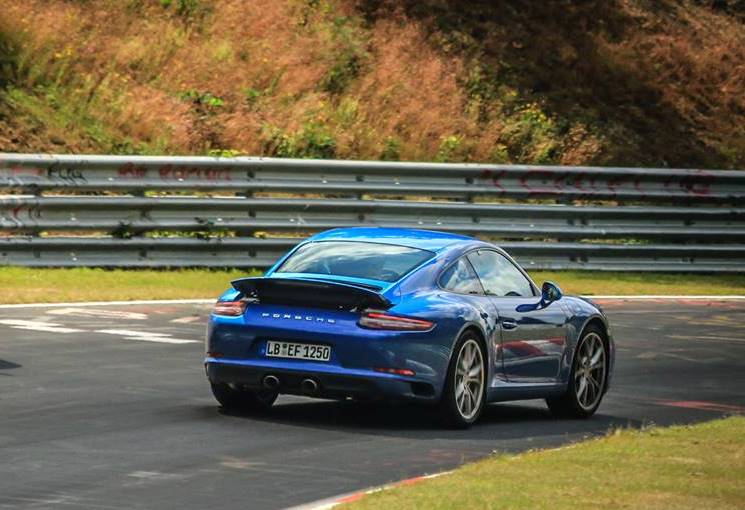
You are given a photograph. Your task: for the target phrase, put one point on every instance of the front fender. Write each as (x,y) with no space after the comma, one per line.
(581,313)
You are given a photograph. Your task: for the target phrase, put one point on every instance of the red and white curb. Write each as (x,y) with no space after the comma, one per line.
(702,406)
(325,504)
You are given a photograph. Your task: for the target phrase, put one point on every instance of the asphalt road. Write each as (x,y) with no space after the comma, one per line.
(107,407)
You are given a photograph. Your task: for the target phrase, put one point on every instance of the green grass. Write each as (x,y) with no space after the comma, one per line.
(31,285)
(604,283)
(684,467)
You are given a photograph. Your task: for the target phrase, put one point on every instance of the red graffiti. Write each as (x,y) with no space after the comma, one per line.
(184,173)
(540,188)
(130,171)
(491,178)
(698,183)
(24,171)
(577,183)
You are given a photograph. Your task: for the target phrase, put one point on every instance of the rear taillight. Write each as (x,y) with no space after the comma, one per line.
(373,319)
(230,308)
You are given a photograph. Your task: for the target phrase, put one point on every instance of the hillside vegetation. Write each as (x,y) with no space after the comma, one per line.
(625,82)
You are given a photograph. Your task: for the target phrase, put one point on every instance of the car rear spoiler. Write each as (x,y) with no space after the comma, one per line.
(310,292)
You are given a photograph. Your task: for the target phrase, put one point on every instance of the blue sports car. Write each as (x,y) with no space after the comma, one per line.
(410,315)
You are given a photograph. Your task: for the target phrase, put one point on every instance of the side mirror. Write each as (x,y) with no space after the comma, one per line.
(550,292)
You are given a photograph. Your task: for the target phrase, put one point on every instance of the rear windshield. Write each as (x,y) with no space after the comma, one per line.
(372,261)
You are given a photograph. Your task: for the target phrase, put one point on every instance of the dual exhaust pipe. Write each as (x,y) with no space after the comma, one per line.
(271,382)
(308,386)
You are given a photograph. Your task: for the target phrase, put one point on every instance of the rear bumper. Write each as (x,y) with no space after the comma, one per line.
(334,383)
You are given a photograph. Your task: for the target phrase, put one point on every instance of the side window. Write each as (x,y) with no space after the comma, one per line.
(459,277)
(498,275)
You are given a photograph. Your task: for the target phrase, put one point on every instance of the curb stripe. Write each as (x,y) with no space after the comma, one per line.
(328,503)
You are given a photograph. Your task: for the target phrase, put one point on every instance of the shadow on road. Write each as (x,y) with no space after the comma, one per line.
(419,422)
(7,365)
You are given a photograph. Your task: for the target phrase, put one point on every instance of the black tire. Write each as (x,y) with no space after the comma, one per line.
(576,402)
(451,405)
(242,399)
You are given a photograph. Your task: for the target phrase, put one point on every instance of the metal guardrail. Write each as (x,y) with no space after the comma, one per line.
(252,175)
(125,211)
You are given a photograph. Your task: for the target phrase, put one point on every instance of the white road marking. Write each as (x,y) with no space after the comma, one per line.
(187,320)
(155,475)
(140,478)
(655,355)
(128,334)
(116,303)
(47,327)
(698,338)
(106,314)
(146,336)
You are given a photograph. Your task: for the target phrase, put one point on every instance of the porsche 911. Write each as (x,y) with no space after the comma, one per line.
(412,315)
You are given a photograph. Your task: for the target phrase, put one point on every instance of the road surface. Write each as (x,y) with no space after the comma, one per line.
(107,407)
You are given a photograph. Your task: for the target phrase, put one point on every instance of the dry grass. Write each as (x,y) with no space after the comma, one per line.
(696,62)
(623,81)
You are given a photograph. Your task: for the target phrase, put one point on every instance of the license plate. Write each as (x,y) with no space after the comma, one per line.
(276,349)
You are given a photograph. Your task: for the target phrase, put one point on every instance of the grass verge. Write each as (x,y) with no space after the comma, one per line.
(684,467)
(33,285)
(600,283)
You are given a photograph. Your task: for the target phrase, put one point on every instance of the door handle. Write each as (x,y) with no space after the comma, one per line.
(509,324)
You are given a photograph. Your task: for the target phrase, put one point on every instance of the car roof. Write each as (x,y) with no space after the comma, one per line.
(412,238)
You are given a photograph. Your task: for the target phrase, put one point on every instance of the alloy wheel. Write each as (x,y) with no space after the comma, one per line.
(469,379)
(589,371)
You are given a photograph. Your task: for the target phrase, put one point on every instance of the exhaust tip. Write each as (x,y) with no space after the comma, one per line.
(271,382)
(309,386)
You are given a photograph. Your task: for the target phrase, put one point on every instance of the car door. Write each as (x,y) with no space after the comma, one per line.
(460,278)
(533,337)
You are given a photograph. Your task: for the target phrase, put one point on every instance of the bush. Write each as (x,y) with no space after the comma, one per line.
(453,149)
(188,10)
(202,98)
(312,141)
(346,65)
(391,149)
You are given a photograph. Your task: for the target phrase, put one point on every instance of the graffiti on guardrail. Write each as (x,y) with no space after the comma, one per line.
(69,210)
(174,172)
(68,174)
